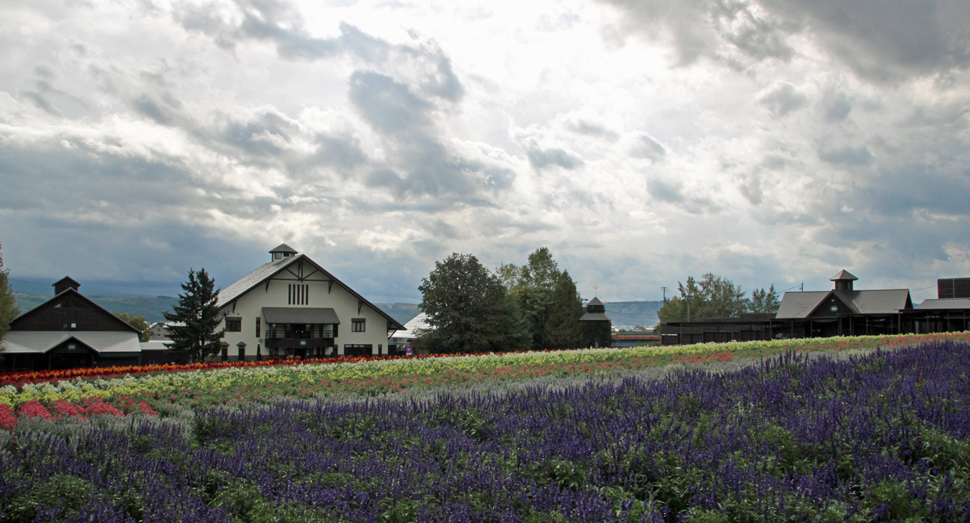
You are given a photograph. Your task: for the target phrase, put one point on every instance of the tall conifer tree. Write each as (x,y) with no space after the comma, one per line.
(195,318)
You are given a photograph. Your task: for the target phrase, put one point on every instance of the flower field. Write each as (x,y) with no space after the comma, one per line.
(160,389)
(731,432)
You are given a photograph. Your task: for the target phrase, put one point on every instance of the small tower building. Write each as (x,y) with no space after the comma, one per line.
(597,327)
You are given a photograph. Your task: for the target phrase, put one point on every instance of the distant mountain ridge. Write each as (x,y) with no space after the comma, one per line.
(623,313)
(151,307)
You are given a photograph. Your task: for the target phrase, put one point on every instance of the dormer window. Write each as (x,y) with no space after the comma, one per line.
(277,255)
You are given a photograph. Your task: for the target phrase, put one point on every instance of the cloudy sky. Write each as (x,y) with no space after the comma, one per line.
(772,141)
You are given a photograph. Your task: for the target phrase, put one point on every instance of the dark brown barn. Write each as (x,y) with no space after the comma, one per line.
(842,311)
(68,331)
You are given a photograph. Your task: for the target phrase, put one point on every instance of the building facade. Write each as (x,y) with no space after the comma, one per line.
(842,311)
(292,307)
(69,331)
(596,326)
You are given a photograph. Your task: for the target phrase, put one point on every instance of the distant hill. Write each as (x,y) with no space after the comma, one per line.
(151,307)
(633,313)
(402,312)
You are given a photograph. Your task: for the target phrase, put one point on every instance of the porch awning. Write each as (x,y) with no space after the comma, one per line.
(300,315)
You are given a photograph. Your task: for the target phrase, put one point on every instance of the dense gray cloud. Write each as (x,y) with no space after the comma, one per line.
(850,156)
(883,40)
(880,41)
(772,141)
(783,99)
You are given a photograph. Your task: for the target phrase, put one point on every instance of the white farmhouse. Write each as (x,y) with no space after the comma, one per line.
(291,306)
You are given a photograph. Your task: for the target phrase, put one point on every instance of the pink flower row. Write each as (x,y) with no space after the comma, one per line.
(64,409)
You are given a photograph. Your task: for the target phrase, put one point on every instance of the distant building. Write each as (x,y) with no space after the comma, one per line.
(291,306)
(161,330)
(68,331)
(596,325)
(412,329)
(842,311)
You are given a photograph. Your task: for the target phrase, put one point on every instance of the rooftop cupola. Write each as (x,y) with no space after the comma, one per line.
(64,284)
(281,252)
(843,280)
(595,306)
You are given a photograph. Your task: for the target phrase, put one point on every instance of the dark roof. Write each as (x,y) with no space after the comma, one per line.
(595,301)
(66,281)
(945,304)
(305,315)
(881,301)
(284,248)
(595,316)
(270,269)
(798,305)
(843,275)
(97,307)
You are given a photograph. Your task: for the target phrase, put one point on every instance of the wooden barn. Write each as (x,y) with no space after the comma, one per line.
(842,311)
(68,331)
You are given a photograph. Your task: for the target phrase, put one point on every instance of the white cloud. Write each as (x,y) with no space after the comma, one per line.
(767,141)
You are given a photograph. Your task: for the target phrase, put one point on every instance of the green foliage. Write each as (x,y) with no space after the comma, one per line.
(466,307)
(562,328)
(137,322)
(8,304)
(712,297)
(196,315)
(547,299)
(70,492)
(764,301)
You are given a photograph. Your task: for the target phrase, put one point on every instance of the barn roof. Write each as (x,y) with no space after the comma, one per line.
(34,342)
(270,269)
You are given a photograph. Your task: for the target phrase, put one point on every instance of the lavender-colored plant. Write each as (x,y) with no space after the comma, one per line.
(877,437)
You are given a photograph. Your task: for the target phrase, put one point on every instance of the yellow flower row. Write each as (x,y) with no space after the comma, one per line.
(401,373)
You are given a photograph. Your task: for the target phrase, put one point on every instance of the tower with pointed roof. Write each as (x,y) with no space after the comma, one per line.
(843,280)
(597,327)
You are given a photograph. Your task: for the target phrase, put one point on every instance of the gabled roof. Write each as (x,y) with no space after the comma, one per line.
(945,304)
(82,297)
(843,275)
(253,279)
(414,327)
(268,270)
(799,305)
(35,342)
(881,301)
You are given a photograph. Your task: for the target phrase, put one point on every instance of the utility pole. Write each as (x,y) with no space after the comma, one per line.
(665,294)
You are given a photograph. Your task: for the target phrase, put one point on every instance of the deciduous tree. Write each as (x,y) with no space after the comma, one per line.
(711,297)
(467,307)
(8,304)
(138,322)
(195,318)
(547,300)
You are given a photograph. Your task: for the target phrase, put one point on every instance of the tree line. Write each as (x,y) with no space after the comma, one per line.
(715,297)
(472,309)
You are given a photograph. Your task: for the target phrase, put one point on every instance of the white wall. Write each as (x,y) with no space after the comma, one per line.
(249,306)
